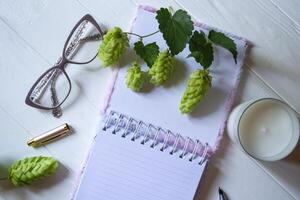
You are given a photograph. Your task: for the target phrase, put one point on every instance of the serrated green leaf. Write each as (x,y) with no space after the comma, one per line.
(197,40)
(201,49)
(148,53)
(224,41)
(176,29)
(204,56)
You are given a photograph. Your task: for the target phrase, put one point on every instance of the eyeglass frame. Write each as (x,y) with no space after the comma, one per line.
(63,61)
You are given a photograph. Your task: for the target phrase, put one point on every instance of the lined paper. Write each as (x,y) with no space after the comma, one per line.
(123,169)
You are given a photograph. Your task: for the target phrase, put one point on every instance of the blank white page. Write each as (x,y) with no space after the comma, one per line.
(119,168)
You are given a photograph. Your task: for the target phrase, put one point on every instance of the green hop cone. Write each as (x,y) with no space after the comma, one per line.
(162,68)
(25,171)
(135,77)
(113,46)
(198,85)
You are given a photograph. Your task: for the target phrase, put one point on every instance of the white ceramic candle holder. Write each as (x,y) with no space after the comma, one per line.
(267,129)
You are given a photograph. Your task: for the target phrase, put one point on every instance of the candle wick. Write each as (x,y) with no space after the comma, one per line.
(264,130)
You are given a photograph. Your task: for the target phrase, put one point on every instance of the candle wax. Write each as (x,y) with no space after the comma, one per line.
(265,129)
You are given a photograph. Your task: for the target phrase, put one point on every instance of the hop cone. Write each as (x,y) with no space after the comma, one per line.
(135,77)
(198,85)
(25,171)
(162,68)
(113,46)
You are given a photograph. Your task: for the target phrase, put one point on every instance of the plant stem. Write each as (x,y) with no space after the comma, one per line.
(150,34)
(141,36)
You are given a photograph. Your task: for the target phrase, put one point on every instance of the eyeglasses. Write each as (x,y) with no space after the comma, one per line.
(51,89)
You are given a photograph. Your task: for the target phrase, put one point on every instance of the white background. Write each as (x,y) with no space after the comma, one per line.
(32,34)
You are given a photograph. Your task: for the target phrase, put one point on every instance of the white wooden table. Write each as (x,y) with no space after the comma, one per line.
(32,34)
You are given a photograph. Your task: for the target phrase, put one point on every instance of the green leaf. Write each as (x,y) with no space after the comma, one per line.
(148,53)
(204,56)
(224,41)
(176,29)
(201,49)
(197,40)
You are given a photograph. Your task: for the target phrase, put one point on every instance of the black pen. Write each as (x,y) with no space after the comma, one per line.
(222,195)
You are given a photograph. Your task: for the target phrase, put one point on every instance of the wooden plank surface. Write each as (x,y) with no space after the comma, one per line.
(290,8)
(31,39)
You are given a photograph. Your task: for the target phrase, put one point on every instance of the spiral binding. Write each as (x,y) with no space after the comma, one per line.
(146,132)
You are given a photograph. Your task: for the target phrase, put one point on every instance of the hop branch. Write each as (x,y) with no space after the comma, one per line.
(177,30)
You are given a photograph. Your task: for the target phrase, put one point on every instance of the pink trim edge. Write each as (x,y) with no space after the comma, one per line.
(228,107)
(109,90)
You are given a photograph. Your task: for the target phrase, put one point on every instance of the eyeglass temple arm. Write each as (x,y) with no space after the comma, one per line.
(57,111)
(39,89)
(95,37)
(71,49)
(42,85)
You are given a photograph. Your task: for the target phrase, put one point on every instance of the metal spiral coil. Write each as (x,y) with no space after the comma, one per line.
(156,136)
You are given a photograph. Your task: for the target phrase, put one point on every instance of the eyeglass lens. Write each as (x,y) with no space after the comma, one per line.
(83,45)
(51,90)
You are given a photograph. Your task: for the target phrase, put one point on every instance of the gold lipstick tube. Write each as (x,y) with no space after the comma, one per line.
(50,136)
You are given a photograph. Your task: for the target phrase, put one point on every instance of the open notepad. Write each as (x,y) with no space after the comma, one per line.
(145,149)
(120,168)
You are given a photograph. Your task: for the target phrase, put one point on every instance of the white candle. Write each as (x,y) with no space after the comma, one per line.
(267,129)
